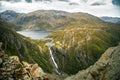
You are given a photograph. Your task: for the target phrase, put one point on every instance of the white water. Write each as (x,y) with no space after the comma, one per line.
(100,7)
(52,57)
(56,66)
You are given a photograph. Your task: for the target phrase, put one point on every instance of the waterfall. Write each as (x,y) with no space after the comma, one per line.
(49,45)
(52,57)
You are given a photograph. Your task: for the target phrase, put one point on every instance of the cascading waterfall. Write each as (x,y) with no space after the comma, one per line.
(49,45)
(52,57)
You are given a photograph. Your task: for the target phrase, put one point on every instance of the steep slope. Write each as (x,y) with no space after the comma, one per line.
(11,68)
(25,48)
(79,42)
(106,68)
(10,25)
(79,45)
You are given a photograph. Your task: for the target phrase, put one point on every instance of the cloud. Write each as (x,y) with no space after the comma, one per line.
(83,6)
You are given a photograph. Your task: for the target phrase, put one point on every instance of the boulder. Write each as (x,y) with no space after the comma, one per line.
(12,69)
(15,58)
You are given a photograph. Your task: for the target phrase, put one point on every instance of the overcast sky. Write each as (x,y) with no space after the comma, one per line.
(94,7)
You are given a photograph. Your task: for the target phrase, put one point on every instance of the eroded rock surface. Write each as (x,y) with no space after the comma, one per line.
(12,69)
(106,68)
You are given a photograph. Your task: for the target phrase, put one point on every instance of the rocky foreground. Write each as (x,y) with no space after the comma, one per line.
(12,69)
(106,68)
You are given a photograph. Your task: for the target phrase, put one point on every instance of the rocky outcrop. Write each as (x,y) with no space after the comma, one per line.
(106,68)
(12,69)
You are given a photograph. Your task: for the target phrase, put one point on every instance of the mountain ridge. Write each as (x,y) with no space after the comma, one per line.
(106,68)
(78,44)
(49,19)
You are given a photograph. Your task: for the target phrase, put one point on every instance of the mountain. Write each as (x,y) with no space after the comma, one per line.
(9,15)
(43,20)
(80,44)
(23,47)
(111,19)
(106,68)
(78,39)
(46,19)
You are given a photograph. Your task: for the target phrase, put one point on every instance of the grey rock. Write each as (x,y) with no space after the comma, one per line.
(106,68)
(12,69)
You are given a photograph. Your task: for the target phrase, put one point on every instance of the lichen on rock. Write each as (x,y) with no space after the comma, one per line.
(11,68)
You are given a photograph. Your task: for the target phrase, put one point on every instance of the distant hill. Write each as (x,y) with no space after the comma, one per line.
(9,15)
(80,39)
(46,19)
(43,20)
(111,19)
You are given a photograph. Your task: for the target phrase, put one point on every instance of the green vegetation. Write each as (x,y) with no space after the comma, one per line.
(25,48)
(80,39)
(81,44)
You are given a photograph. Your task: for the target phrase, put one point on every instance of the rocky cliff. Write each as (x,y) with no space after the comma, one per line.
(23,47)
(106,68)
(11,68)
(79,45)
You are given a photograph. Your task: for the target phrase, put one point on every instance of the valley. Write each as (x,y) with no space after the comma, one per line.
(62,43)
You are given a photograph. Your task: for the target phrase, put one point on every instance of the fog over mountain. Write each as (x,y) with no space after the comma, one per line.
(95,7)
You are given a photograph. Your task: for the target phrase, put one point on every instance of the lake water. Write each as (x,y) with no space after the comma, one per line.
(34,34)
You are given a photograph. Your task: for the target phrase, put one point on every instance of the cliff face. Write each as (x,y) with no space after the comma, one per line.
(80,45)
(106,68)
(23,47)
(11,68)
